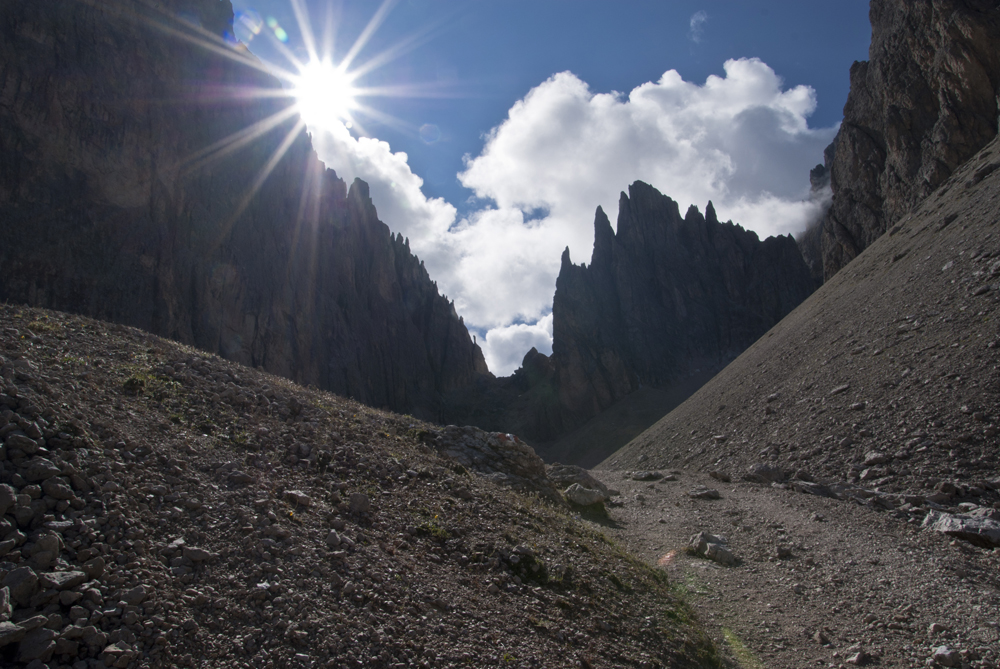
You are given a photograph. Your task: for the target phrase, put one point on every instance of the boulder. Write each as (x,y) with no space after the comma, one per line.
(762,472)
(580,496)
(567,475)
(977,530)
(713,547)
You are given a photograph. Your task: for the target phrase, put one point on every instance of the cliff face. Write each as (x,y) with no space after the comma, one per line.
(664,303)
(665,298)
(923,104)
(114,205)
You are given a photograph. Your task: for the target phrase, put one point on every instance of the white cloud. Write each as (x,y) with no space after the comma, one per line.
(697,26)
(739,140)
(504,347)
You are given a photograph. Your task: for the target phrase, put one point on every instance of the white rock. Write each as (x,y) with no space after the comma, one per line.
(581,496)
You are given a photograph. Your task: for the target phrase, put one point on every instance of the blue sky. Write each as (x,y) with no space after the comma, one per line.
(533,113)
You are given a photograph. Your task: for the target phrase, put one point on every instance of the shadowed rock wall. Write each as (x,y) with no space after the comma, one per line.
(106,209)
(924,103)
(665,303)
(663,299)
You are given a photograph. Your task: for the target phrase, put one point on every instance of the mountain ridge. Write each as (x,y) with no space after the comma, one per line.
(145,208)
(665,299)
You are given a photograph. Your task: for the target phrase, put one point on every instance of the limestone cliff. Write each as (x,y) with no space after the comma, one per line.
(924,103)
(665,298)
(665,303)
(116,203)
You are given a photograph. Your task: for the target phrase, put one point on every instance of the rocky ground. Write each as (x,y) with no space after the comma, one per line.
(162,507)
(861,434)
(817,581)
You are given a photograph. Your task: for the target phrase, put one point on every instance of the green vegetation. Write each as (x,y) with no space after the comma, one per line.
(744,655)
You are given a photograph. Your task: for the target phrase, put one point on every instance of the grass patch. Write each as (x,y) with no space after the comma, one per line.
(744,655)
(40,326)
(433,529)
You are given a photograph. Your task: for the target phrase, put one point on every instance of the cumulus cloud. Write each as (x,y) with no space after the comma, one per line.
(505,347)
(697,26)
(740,140)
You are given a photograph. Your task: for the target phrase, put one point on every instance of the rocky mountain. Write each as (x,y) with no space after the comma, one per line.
(923,104)
(665,303)
(886,377)
(850,455)
(142,182)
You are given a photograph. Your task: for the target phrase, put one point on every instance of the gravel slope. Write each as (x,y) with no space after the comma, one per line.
(898,355)
(162,507)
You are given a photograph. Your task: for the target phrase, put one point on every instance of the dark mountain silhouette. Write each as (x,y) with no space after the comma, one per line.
(113,205)
(666,302)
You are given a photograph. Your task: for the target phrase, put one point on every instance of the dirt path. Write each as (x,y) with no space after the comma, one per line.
(857,579)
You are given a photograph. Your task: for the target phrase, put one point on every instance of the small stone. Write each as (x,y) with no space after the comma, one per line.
(980,531)
(94,567)
(841,389)
(6,610)
(359,503)
(936,628)
(947,657)
(196,554)
(69,597)
(239,477)
(493,589)
(712,547)
(22,442)
(7,498)
(703,492)
(784,552)
(646,476)
(333,539)
(56,489)
(39,469)
(39,644)
(764,473)
(136,595)
(873,458)
(22,583)
(859,658)
(298,497)
(62,580)
(821,638)
(720,476)
(10,633)
(33,623)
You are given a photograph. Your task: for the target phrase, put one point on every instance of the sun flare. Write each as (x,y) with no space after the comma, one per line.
(324,95)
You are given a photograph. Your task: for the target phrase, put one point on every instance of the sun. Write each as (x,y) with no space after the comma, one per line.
(324,95)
